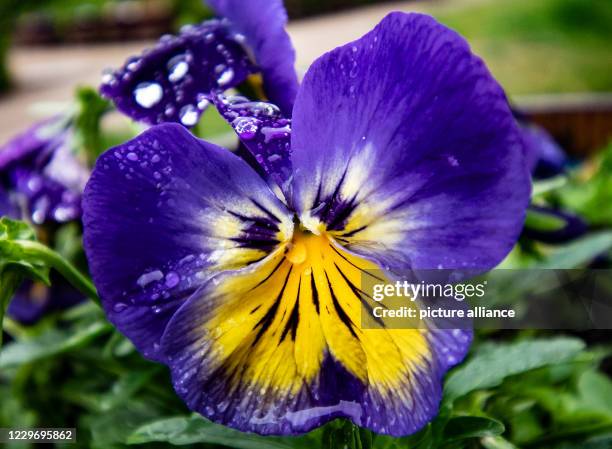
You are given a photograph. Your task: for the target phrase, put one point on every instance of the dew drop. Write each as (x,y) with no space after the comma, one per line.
(132,156)
(189,115)
(271,133)
(133,65)
(148,95)
(149,277)
(119,307)
(202,102)
(225,77)
(108,77)
(172,279)
(452,160)
(246,127)
(169,111)
(178,68)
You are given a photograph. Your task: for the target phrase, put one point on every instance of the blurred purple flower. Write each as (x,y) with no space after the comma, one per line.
(41,180)
(545,157)
(40,173)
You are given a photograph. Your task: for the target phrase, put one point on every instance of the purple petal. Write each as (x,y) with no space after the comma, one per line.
(46,199)
(405,150)
(277,348)
(545,157)
(8,208)
(262,23)
(29,303)
(170,82)
(41,172)
(35,145)
(265,133)
(163,211)
(33,300)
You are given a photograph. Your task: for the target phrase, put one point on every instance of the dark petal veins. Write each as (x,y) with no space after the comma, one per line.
(171,81)
(264,132)
(262,23)
(405,150)
(162,213)
(277,349)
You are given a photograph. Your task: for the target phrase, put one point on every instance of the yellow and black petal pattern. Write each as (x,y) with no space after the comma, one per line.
(279,348)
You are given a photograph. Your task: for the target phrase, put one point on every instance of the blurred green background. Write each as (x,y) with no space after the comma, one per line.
(531,46)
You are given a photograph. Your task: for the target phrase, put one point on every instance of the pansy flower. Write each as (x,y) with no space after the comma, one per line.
(401,153)
(41,180)
(40,173)
(171,81)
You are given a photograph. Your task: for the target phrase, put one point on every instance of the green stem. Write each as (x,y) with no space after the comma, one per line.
(65,268)
(10,283)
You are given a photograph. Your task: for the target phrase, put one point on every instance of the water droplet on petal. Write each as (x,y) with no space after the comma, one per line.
(246,127)
(108,77)
(172,279)
(148,95)
(132,156)
(177,68)
(149,277)
(225,77)
(189,115)
(133,65)
(203,102)
(119,307)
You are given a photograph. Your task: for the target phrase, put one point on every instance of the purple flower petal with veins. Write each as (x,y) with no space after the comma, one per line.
(403,154)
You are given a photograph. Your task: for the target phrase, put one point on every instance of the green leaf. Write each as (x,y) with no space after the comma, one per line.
(590,197)
(20,250)
(90,109)
(112,428)
(579,252)
(547,185)
(9,282)
(543,222)
(497,442)
(491,364)
(463,427)
(12,254)
(195,429)
(595,390)
(14,263)
(344,434)
(50,343)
